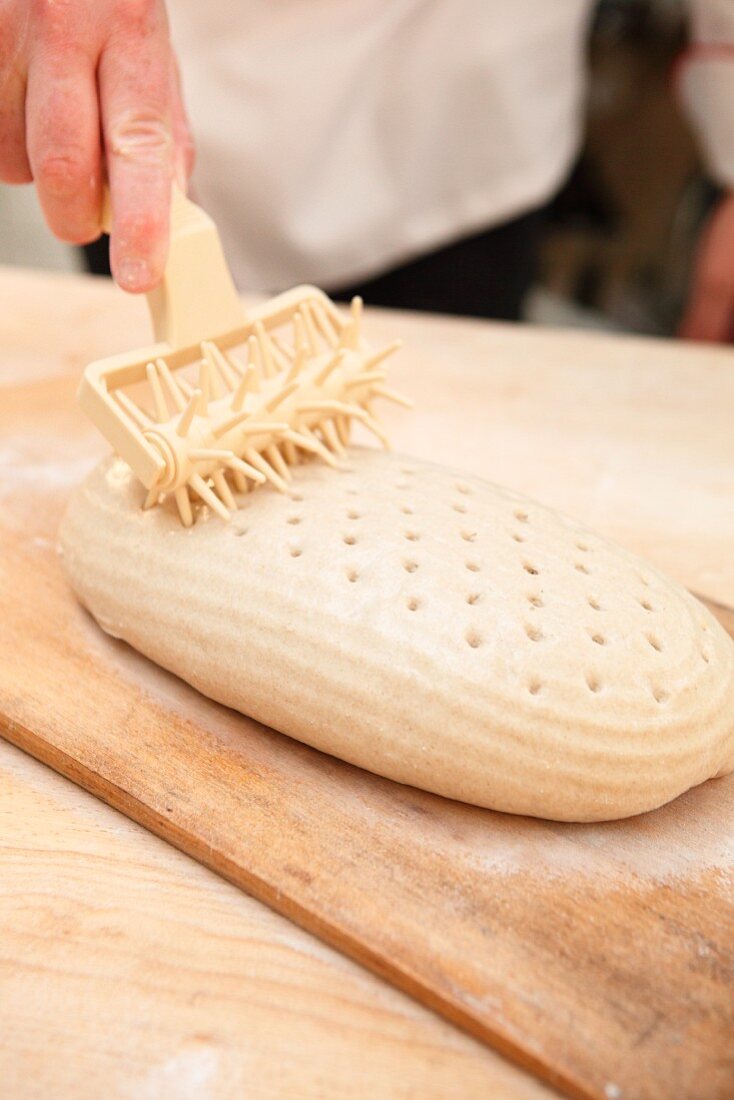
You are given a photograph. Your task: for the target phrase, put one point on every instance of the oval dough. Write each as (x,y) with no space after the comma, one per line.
(425,625)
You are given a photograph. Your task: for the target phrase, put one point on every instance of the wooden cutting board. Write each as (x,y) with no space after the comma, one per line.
(599,956)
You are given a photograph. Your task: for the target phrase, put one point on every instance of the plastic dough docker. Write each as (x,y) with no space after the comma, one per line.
(227,399)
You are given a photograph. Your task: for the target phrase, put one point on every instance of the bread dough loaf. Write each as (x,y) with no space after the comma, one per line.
(425,625)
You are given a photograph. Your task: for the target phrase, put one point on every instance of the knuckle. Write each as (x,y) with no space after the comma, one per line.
(141,136)
(55,15)
(60,173)
(136,15)
(137,9)
(45,9)
(137,230)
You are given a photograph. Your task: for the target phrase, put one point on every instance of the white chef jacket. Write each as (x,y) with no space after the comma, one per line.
(337,138)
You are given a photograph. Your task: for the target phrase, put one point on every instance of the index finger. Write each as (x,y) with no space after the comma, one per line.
(134,88)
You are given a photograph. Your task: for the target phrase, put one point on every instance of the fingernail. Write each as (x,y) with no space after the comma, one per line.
(133,274)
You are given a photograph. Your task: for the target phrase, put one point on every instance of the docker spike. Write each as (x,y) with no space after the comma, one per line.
(240,426)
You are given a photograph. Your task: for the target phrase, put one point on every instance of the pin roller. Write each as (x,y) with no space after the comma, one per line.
(227,399)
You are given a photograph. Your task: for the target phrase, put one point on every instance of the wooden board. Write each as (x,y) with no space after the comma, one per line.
(129,970)
(601,957)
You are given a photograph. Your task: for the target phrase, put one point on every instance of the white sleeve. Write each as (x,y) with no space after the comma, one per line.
(705,80)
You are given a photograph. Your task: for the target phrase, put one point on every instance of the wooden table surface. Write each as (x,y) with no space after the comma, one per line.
(128,969)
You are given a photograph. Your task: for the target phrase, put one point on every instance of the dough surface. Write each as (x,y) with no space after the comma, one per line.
(425,625)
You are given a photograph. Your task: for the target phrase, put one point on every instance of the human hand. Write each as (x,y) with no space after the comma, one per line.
(88,86)
(709,312)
